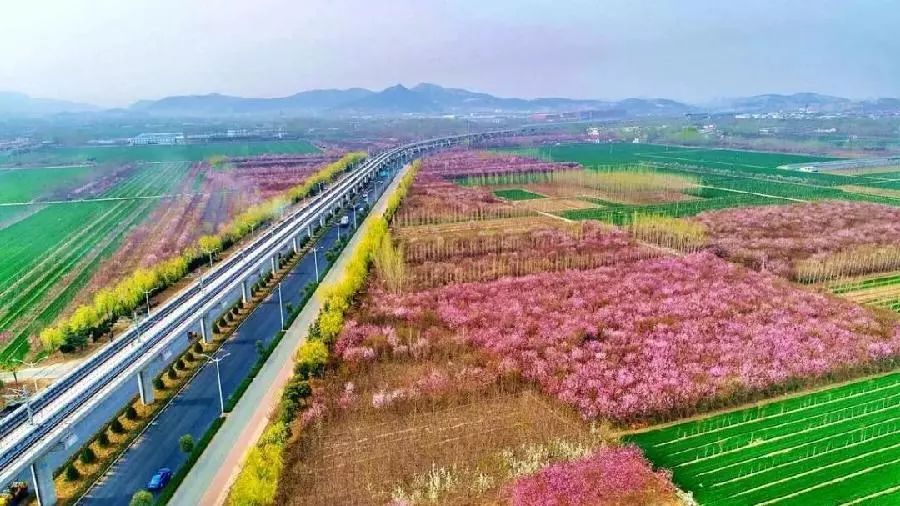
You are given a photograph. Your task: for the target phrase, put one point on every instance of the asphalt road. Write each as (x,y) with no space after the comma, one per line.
(195,408)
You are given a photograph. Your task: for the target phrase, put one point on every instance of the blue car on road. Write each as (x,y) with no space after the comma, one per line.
(159,480)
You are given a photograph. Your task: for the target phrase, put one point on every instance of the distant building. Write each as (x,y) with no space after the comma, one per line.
(847,166)
(162,138)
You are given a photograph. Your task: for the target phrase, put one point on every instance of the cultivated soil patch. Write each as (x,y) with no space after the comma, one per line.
(359,459)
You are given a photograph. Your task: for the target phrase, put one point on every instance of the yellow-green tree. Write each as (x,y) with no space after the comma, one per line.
(258,480)
(390,264)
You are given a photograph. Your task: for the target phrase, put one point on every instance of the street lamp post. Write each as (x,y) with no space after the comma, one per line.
(280,307)
(216,360)
(315,252)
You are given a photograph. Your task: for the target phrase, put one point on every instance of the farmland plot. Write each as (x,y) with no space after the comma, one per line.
(206,199)
(727,178)
(487,303)
(50,255)
(517,194)
(881,290)
(809,242)
(836,446)
(25,185)
(155,153)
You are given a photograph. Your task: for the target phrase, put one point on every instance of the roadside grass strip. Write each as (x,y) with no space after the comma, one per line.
(834,446)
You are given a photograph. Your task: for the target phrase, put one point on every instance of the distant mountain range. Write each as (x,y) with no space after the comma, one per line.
(18,104)
(431,99)
(420,99)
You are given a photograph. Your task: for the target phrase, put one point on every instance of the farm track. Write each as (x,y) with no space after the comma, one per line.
(68,249)
(828,447)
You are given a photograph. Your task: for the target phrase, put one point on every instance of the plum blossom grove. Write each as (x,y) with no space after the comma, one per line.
(611,475)
(438,259)
(457,164)
(774,238)
(434,199)
(652,339)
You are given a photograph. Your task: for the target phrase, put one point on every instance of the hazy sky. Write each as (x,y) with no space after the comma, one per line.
(112,52)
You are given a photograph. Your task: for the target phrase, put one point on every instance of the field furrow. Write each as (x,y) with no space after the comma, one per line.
(828,447)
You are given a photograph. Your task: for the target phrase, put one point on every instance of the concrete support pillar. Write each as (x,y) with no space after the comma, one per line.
(294,244)
(205,329)
(42,477)
(274,265)
(145,387)
(309,231)
(321,221)
(245,291)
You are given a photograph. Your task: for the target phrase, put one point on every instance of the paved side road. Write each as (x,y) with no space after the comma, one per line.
(195,408)
(211,477)
(44,372)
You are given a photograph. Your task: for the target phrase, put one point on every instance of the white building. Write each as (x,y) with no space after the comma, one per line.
(164,138)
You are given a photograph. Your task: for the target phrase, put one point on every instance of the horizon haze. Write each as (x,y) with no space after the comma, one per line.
(693,51)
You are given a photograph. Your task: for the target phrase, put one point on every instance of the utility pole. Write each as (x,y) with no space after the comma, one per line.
(13,369)
(147,294)
(139,328)
(22,395)
(33,365)
(216,360)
